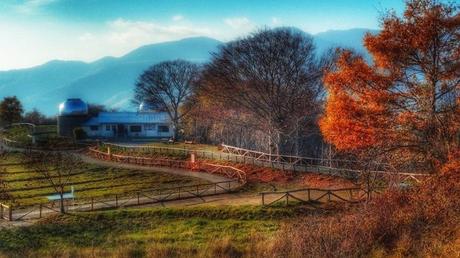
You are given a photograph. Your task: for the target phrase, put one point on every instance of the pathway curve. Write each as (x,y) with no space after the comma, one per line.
(176,171)
(104,163)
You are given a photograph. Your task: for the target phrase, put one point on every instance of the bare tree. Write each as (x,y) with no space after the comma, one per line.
(56,169)
(273,74)
(168,85)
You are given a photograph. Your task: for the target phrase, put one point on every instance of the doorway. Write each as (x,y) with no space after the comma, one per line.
(121,133)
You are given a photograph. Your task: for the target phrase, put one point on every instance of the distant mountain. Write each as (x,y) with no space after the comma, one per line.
(110,81)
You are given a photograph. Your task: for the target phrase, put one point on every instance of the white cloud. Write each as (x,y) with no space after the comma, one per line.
(276,21)
(132,33)
(86,37)
(238,23)
(177,18)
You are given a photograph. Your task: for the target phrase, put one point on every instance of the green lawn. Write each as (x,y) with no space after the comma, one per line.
(26,187)
(154,231)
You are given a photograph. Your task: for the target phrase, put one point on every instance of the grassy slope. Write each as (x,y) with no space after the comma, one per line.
(173,230)
(92,181)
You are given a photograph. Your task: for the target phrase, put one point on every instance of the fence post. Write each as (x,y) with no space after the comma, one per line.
(116,201)
(92,203)
(351,195)
(1,211)
(215,188)
(138,199)
(287,199)
(40,212)
(263,199)
(309,197)
(10,213)
(328,196)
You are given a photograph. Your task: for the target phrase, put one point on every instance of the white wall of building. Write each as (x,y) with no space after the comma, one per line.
(130,130)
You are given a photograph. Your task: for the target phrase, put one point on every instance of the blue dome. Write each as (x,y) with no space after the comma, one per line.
(73,107)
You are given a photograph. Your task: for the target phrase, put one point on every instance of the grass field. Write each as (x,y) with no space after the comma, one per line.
(26,187)
(201,231)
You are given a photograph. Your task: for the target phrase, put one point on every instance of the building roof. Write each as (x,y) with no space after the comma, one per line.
(129,118)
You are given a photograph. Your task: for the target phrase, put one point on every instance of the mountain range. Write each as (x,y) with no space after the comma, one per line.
(110,80)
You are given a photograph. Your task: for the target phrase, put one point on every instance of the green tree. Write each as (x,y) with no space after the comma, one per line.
(10,110)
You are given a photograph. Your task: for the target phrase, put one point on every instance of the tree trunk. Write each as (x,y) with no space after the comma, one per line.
(61,201)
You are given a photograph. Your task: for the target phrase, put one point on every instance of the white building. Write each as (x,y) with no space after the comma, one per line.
(129,125)
(147,122)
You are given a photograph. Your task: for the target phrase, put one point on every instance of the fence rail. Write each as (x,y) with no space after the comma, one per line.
(334,167)
(314,195)
(226,171)
(152,196)
(237,178)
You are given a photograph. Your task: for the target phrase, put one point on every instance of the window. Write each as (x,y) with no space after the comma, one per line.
(163,129)
(94,128)
(107,127)
(149,127)
(135,128)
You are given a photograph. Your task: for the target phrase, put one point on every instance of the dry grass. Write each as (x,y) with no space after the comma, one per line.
(422,222)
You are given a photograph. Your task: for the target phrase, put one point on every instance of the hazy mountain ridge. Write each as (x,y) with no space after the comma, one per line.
(110,80)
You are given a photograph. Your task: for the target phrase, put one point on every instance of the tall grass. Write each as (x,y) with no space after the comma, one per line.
(421,222)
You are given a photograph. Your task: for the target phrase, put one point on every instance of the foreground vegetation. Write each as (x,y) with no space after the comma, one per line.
(202,231)
(420,222)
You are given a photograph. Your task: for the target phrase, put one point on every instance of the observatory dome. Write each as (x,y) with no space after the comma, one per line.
(73,107)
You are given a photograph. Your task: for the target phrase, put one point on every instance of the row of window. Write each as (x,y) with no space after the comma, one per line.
(134,128)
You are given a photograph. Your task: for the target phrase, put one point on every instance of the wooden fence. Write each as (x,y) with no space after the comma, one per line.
(312,196)
(145,197)
(335,167)
(226,171)
(237,178)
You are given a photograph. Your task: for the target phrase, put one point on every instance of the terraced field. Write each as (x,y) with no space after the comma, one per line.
(23,186)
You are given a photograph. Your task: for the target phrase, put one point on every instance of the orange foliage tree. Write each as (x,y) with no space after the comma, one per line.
(406,104)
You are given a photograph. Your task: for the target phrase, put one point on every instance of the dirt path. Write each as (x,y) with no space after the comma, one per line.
(175,171)
(218,197)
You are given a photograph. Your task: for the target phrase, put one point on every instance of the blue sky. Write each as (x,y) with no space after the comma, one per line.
(35,31)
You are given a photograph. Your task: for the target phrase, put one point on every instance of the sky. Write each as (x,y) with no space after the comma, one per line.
(33,32)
